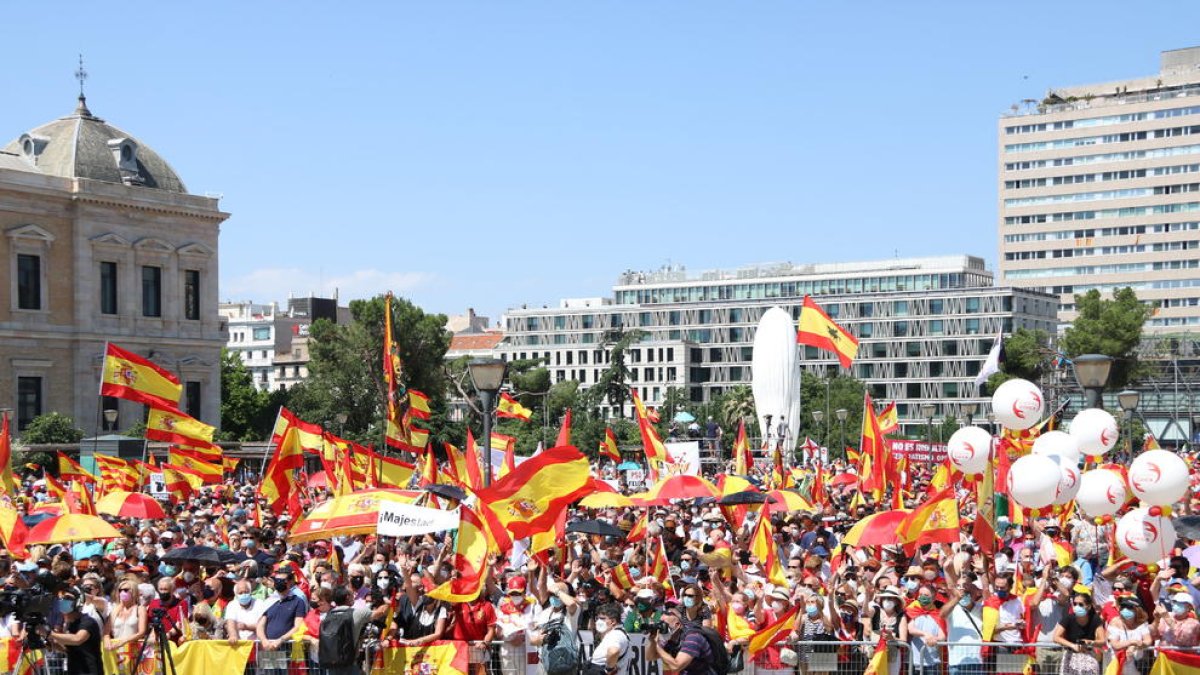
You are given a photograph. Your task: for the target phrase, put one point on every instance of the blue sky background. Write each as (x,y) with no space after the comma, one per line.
(490,154)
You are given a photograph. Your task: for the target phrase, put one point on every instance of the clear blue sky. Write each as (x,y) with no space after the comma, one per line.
(490,154)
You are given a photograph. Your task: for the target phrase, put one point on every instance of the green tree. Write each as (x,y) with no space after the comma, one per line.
(613,384)
(737,404)
(1026,356)
(245,411)
(1109,326)
(844,392)
(51,427)
(346,367)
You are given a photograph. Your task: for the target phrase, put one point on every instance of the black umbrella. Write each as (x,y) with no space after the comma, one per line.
(1187,527)
(448,491)
(203,555)
(595,527)
(745,497)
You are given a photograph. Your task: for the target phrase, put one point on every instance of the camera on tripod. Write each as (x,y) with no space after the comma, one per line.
(156,617)
(32,607)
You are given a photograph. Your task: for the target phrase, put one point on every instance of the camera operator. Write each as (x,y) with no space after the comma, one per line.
(79,634)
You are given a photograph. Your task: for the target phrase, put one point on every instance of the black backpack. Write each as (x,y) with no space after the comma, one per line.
(721,664)
(336,645)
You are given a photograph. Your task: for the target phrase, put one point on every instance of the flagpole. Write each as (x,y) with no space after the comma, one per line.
(267,451)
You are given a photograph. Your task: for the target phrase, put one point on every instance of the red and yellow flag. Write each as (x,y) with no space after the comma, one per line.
(129,376)
(117,474)
(55,489)
(875,451)
(653,445)
(443,657)
(184,458)
(305,436)
(394,473)
(608,446)
(743,461)
(773,633)
(418,405)
(470,560)
(13,532)
(564,431)
(8,482)
(529,499)
(889,419)
(818,330)
(69,469)
(879,659)
(512,408)
(623,577)
(934,521)
(473,478)
(179,482)
(291,439)
(762,546)
(79,500)
(641,528)
(172,426)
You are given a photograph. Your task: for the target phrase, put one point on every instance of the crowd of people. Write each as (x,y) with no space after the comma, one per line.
(1058,590)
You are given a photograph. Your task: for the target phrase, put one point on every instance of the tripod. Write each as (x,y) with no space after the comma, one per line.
(165,660)
(27,659)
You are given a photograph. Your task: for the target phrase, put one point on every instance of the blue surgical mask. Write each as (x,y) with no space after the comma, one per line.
(245,599)
(166,570)
(749,593)
(910,584)
(685,565)
(1003,595)
(1179,608)
(689,601)
(1126,614)
(1082,611)
(811,610)
(65,605)
(635,572)
(965,602)
(556,601)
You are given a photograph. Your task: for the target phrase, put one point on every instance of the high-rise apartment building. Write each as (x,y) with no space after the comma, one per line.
(1100,188)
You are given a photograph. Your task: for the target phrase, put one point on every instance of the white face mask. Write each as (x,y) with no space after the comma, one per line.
(889,605)
(601,625)
(778,606)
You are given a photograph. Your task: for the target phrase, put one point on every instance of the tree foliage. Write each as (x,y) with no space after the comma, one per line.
(1109,326)
(613,384)
(246,412)
(1026,356)
(844,392)
(346,367)
(51,427)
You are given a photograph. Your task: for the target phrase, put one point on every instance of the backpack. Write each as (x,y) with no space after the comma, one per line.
(560,650)
(336,645)
(721,664)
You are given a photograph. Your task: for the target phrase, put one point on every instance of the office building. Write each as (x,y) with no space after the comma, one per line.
(1100,189)
(273,341)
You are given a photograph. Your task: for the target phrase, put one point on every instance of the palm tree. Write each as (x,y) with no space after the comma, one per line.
(738,405)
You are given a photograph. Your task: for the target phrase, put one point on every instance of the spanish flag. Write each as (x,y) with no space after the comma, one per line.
(934,521)
(180,483)
(129,376)
(875,451)
(55,488)
(818,330)
(8,484)
(172,426)
(79,500)
(13,532)
(889,419)
(734,627)
(742,459)
(773,633)
(443,657)
(608,446)
(1171,662)
(181,457)
(879,660)
(510,407)
(418,405)
(653,445)
(473,479)
(279,480)
(307,437)
(564,431)
(470,560)
(623,577)
(509,445)
(394,473)
(762,546)
(529,499)
(69,469)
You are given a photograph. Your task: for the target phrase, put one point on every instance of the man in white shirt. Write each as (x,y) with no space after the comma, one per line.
(242,613)
(1012,612)
(964,624)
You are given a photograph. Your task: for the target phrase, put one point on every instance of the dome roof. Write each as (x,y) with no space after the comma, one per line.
(82,145)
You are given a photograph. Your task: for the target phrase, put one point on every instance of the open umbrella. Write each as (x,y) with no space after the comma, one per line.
(745,497)
(605,500)
(877,529)
(684,417)
(628,466)
(728,484)
(318,480)
(71,527)
(202,555)
(677,487)
(843,479)
(1188,527)
(786,501)
(448,491)
(355,513)
(130,505)
(598,527)
(13,531)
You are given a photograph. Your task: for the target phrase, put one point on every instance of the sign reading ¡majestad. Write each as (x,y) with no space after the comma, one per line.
(406,520)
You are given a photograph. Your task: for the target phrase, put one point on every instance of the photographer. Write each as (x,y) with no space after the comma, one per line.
(79,635)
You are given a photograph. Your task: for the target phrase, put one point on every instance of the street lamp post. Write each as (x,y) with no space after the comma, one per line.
(968,410)
(1091,373)
(991,418)
(487,375)
(818,415)
(110,419)
(341,418)
(1129,400)
(841,414)
(927,410)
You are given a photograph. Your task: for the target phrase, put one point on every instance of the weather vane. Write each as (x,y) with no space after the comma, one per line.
(81,75)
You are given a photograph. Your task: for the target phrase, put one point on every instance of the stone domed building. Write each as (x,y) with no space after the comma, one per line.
(102,241)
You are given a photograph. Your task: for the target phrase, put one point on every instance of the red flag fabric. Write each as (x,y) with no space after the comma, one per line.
(564,432)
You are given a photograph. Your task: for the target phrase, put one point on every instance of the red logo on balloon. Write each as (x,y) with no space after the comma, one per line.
(1148,468)
(1104,438)
(1111,493)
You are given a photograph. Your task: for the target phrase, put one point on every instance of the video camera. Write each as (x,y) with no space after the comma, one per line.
(32,607)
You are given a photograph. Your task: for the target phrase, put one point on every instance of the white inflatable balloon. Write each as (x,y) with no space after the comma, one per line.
(1145,538)
(1095,431)
(1158,477)
(1058,443)
(1101,493)
(968,449)
(1068,484)
(1018,404)
(1033,481)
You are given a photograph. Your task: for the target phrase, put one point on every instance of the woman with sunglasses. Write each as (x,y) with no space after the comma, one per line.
(127,622)
(1080,632)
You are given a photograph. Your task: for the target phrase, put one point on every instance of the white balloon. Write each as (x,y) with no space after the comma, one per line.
(1158,477)
(1095,431)
(1018,404)
(1068,483)
(1033,481)
(1145,538)
(1101,493)
(1057,443)
(969,448)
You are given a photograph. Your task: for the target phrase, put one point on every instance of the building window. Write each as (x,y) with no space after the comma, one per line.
(108,288)
(29,400)
(191,294)
(262,333)
(192,391)
(151,291)
(29,281)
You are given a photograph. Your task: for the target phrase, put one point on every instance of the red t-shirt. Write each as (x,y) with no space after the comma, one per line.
(472,619)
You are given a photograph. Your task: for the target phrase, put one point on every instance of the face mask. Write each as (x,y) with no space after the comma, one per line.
(685,565)
(925,601)
(326,584)
(245,599)
(166,570)
(689,601)
(966,601)
(910,584)
(581,599)
(930,575)
(1081,611)
(601,625)
(164,597)
(1179,609)
(375,567)
(889,605)
(1003,595)
(147,540)
(749,593)
(281,585)
(556,601)
(384,583)
(634,572)
(66,605)
(189,577)
(124,596)
(811,610)
(643,606)
(1128,614)
(778,606)
(231,576)
(356,583)
(209,593)
(1065,583)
